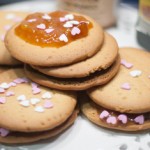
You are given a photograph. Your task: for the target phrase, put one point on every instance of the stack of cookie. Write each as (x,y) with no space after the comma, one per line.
(64,51)
(124,103)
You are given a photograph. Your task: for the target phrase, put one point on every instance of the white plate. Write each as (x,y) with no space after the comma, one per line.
(84,135)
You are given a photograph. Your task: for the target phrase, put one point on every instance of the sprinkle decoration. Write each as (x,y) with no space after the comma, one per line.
(126,64)
(69,16)
(48,104)
(63,38)
(25,103)
(46,17)
(75,31)
(49,30)
(104,114)
(39,109)
(2,90)
(10,93)
(123,118)
(47,95)
(2,100)
(41,26)
(32,20)
(21,98)
(139,119)
(135,73)
(4,132)
(126,86)
(111,120)
(10,16)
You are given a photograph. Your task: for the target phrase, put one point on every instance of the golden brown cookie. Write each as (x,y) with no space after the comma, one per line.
(56,39)
(7,19)
(97,78)
(101,60)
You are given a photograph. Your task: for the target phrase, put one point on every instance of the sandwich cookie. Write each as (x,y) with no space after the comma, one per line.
(7,19)
(103,59)
(123,104)
(97,78)
(57,38)
(26,107)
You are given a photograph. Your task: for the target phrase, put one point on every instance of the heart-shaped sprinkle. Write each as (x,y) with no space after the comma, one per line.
(46,17)
(69,16)
(12,84)
(68,25)
(63,38)
(49,30)
(123,118)
(36,90)
(2,90)
(48,104)
(7,27)
(25,103)
(104,114)
(4,85)
(62,19)
(74,22)
(2,100)
(10,93)
(25,80)
(41,26)
(39,109)
(21,98)
(34,101)
(32,20)
(126,64)
(18,80)
(34,85)
(111,120)
(135,73)
(2,38)
(75,31)
(126,86)
(47,95)
(4,132)
(10,16)
(139,119)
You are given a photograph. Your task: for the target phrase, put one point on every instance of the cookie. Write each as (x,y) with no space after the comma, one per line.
(101,60)
(129,91)
(8,19)
(97,78)
(34,108)
(56,39)
(112,120)
(4,68)
(22,137)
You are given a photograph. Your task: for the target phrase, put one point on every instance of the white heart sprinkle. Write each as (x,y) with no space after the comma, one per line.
(47,95)
(31,20)
(21,98)
(4,85)
(74,22)
(39,109)
(25,103)
(135,73)
(41,26)
(67,25)
(49,30)
(63,37)
(34,101)
(62,19)
(75,31)
(46,17)
(69,16)
(10,16)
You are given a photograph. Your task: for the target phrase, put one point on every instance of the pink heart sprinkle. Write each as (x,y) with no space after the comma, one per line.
(2,37)
(36,90)
(75,31)
(34,85)
(104,114)
(2,100)
(62,19)
(111,120)
(139,119)
(123,118)
(49,30)
(126,86)
(4,132)
(10,93)
(2,90)
(25,80)
(126,64)
(48,104)
(41,26)
(21,80)
(12,84)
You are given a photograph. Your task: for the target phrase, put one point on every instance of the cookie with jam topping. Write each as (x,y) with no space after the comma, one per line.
(124,103)
(54,39)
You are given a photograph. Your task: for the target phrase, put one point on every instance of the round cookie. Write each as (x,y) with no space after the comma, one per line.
(101,60)
(22,137)
(97,78)
(94,113)
(129,91)
(7,19)
(72,52)
(34,108)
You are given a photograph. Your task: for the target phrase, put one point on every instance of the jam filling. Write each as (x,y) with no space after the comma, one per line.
(55,29)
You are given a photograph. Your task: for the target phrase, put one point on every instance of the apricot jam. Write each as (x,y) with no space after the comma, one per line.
(55,29)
